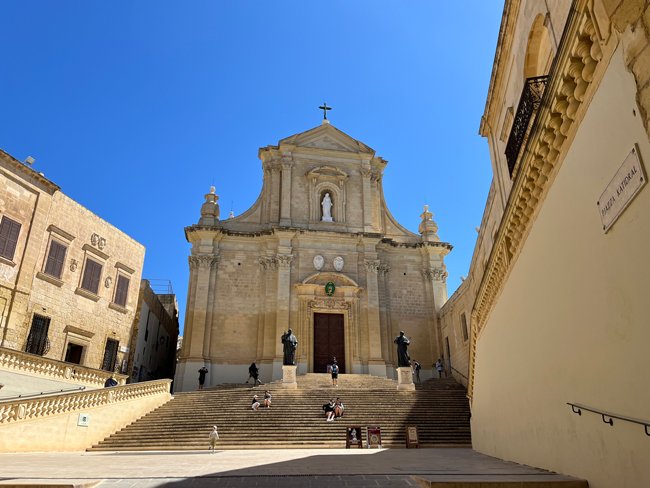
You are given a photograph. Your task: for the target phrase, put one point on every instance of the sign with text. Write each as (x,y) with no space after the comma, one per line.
(373,436)
(412,437)
(621,190)
(83,420)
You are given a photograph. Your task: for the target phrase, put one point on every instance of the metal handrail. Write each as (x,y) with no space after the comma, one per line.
(31,395)
(454,369)
(608,417)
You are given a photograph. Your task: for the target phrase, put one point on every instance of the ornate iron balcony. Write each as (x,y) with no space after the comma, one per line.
(531,97)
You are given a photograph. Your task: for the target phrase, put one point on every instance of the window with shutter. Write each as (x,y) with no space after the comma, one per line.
(121,290)
(92,275)
(55,259)
(9,231)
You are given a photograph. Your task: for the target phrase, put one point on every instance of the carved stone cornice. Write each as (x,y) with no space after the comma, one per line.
(576,61)
(372,265)
(284,260)
(435,274)
(203,261)
(329,303)
(383,269)
(268,263)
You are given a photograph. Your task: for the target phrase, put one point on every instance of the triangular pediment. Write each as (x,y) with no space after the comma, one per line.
(326,136)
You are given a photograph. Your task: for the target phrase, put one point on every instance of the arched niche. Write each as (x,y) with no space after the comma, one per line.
(539,50)
(322,180)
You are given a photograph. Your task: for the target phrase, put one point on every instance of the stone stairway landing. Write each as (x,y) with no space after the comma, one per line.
(439,408)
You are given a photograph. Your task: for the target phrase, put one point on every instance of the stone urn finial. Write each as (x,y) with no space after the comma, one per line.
(428,228)
(210,209)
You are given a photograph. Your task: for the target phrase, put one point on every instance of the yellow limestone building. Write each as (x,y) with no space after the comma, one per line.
(320,253)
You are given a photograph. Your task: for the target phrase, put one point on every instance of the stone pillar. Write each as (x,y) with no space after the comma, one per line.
(212,297)
(376,363)
(285,198)
(366,172)
(405,379)
(282,308)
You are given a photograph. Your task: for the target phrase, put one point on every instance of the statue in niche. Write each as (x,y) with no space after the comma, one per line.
(403,358)
(327,208)
(290,343)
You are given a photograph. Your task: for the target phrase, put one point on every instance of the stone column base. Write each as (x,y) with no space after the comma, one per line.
(405,379)
(289,377)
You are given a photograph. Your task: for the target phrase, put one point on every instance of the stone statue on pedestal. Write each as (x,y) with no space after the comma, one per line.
(403,359)
(327,208)
(290,343)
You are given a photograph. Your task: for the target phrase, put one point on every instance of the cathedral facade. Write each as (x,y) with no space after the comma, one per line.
(320,253)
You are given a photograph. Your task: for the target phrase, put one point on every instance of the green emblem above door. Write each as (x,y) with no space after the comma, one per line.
(329,289)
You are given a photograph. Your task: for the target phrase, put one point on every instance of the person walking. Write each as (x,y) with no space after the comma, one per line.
(416,371)
(254,372)
(335,374)
(440,368)
(202,372)
(214,437)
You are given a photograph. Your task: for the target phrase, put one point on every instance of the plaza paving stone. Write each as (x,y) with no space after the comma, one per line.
(273,468)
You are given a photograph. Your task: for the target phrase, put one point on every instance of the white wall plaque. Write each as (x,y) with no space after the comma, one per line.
(621,190)
(84,420)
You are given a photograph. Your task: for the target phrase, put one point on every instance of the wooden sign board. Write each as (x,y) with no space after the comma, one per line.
(412,437)
(353,437)
(373,437)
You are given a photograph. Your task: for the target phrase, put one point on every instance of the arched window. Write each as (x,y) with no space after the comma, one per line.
(539,51)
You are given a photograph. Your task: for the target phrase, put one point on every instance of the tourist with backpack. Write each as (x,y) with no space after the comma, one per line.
(335,374)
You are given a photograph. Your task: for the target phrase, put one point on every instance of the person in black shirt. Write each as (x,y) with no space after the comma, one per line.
(202,372)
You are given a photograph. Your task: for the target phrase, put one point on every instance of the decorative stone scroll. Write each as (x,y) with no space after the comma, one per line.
(435,274)
(284,260)
(329,303)
(383,269)
(203,261)
(29,409)
(268,263)
(372,265)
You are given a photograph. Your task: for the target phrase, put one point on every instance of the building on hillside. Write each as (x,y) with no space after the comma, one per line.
(155,335)
(320,253)
(68,279)
(559,279)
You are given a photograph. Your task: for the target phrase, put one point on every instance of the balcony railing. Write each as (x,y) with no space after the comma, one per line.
(531,97)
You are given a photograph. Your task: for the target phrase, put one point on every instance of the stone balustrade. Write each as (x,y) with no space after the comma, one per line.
(22,362)
(30,409)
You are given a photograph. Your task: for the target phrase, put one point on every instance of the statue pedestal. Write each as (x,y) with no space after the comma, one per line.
(405,379)
(289,377)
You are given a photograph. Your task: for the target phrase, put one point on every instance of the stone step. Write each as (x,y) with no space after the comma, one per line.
(438,407)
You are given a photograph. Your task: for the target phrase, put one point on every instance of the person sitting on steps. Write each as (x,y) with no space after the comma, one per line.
(255,404)
(267,399)
(339,408)
(328,408)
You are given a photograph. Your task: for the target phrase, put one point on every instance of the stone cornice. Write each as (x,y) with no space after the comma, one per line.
(503,49)
(28,173)
(579,56)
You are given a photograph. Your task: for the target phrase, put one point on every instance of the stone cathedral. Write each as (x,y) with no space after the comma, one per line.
(320,253)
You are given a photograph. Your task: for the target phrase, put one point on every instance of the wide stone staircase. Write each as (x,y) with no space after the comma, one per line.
(439,409)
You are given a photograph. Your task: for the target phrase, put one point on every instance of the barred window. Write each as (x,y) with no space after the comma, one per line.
(92,275)
(110,355)
(55,259)
(9,230)
(121,290)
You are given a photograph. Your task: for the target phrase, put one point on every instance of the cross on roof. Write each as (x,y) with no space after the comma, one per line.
(325,108)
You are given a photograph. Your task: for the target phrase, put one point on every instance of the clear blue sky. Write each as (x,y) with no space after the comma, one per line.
(135,108)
